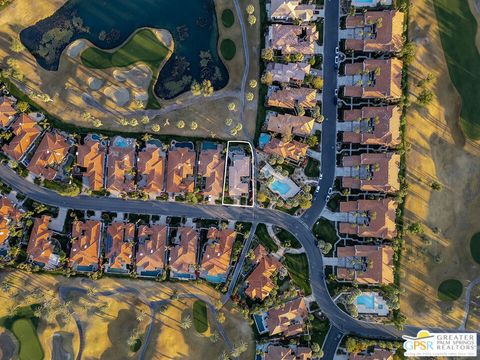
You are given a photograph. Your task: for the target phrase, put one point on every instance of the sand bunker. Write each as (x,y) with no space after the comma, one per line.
(94,83)
(138,76)
(140,95)
(119,96)
(119,75)
(76,48)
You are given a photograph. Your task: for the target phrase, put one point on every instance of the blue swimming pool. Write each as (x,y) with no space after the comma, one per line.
(120,142)
(95,137)
(208,145)
(263,139)
(259,322)
(366,300)
(280,187)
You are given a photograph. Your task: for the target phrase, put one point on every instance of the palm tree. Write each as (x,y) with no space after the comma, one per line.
(186,322)
(224,356)
(146,137)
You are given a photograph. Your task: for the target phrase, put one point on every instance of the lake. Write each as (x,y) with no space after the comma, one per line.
(108,23)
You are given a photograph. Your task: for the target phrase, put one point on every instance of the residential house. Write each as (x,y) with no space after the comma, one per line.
(40,248)
(183,254)
(119,246)
(25,131)
(366,264)
(292,98)
(151,170)
(278,352)
(373,125)
(287,124)
(293,39)
(9,215)
(291,150)
(211,168)
(289,320)
(376,354)
(288,73)
(85,250)
(7,112)
(370,218)
(216,257)
(239,175)
(121,166)
(91,162)
(292,10)
(372,172)
(260,282)
(151,252)
(375,31)
(48,157)
(180,168)
(375,78)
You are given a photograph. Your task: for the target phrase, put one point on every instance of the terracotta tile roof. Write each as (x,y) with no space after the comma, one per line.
(285,73)
(383,125)
(211,166)
(279,353)
(288,98)
(293,150)
(181,162)
(26,131)
(377,354)
(239,170)
(386,84)
(376,31)
(304,353)
(377,266)
(119,245)
(259,281)
(91,156)
(218,251)
(120,161)
(289,320)
(49,155)
(8,214)
(290,124)
(381,170)
(151,166)
(381,215)
(292,39)
(291,9)
(39,247)
(151,249)
(259,252)
(183,257)
(86,244)
(7,111)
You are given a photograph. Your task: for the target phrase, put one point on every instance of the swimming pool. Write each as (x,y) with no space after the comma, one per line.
(280,187)
(263,139)
(366,300)
(121,142)
(259,322)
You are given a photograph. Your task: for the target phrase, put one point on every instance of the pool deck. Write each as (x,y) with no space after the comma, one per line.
(379,308)
(268,171)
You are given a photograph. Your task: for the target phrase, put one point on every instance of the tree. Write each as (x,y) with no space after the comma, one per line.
(193,125)
(180,124)
(133,122)
(155,127)
(16,45)
(146,137)
(22,106)
(137,104)
(267,78)
(229,121)
(97,123)
(186,322)
(415,228)
(253,83)
(221,317)
(249,96)
(408,52)
(196,88)
(145,120)
(250,9)
(317,82)
(224,356)
(231,106)
(239,348)
(261,197)
(298,57)
(267,54)
(300,110)
(425,97)
(312,140)
(305,204)
(435,185)
(252,20)
(207,88)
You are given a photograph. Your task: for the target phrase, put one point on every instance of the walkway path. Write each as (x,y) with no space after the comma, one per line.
(468,293)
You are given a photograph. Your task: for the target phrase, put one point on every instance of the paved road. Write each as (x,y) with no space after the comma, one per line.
(331,342)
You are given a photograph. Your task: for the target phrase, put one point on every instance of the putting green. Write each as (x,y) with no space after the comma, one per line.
(450,290)
(475,247)
(228,49)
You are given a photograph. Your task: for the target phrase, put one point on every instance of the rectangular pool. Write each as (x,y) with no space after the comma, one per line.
(366,300)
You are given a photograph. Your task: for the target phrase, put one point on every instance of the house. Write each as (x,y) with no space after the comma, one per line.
(211,168)
(375,31)
(372,172)
(151,170)
(366,264)
(183,254)
(293,39)
(91,162)
(291,98)
(373,125)
(151,252)
(286,73)
(119,246)
(288,320)
(292,150)
(121,166)
(7,112)
(370,218)
(260,282)
(85,250)
(292,10)
(40,248)
(278,352)
(376,354)
(375,78)
(9,215)
(25,131)
(287,124)
(181,163)
(49,156)
(216,257)
(239,175)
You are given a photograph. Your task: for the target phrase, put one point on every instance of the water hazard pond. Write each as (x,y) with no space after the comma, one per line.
(108,23)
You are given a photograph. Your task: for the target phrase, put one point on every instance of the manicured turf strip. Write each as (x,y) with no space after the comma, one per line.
(228,49)
(286,238)
(297,266)
(450,290)
(228,18)
(200,321)
(458,29)
(265,239)
(475,247)
(324,230)
(312,168)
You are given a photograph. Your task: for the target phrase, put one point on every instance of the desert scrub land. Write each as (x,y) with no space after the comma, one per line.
(443,201)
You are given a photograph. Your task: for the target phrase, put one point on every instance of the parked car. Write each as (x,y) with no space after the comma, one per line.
(321,176)
(336,50)
(336,92)
(336,59)
(317,189)
(327,198)
(330,190)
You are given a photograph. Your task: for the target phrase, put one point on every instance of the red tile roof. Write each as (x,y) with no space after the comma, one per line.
(218,251)
(85,244)
(211,166)
(119,245)
(183,257)
(9,215)
(39,247)
(292,150)
(26,131)
(151,249)
(259,281)
(289,320)
(7,111)
(91,156)
(289,98)
(181,162)
(49,155)
(151,166)
(120,163)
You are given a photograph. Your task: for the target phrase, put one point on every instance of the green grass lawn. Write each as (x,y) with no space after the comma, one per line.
(475,247)
(262,234)
(450,290)
(319,330)
(288,239)
(312,169)
(458,29)
(200,320)
(228,49)
(297,266)
(324,230)
(228,19)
